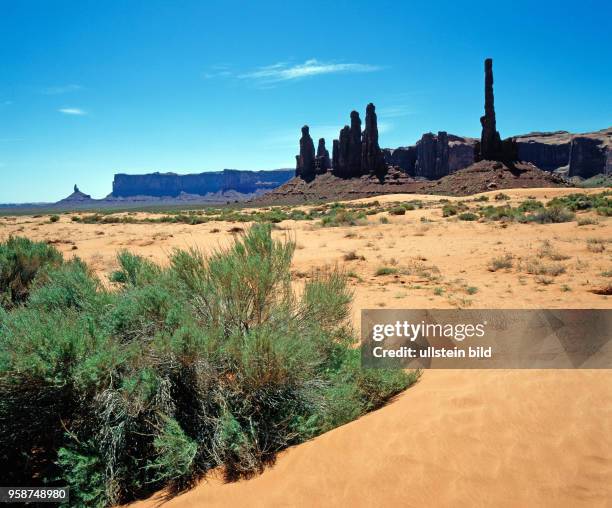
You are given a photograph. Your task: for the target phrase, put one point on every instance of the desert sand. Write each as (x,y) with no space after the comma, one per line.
(457,438)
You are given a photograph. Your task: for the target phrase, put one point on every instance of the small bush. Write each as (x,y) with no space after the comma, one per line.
(500,196)
(385,270)
(554,214)
(22,261)
(539,267)
(398,210)
(353,256)
(54,218)
(468,216)
(501,263)
(587,221)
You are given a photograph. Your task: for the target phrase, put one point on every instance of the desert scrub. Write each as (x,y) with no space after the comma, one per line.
(539,267)
(467,216)
(596,245)
(450,209)
(211,361)
(338,216)
(23,261)
(501,263)
(385,270)
(576,202)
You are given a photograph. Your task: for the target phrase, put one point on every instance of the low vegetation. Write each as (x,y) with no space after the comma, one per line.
(210,362)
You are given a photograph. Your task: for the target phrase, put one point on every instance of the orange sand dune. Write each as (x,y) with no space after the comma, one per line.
(458,438)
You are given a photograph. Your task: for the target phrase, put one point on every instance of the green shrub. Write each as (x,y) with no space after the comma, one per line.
(530,205)
(554,214)
(469,216)
(54,218)
(212,361)
(21,262)
(385,270)
(398,210)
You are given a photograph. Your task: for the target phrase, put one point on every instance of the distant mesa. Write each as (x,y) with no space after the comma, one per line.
(173,185)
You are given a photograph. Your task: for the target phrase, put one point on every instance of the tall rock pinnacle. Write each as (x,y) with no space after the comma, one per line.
(490,142)
(372,159)
(322,162)
(354,155)
(305,167)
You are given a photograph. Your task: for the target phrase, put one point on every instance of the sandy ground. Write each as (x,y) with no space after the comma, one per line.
(458,438)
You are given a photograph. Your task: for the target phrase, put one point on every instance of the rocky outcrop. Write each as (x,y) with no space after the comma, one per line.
(372,158)
(582,155)
(588,157)
(432,156)
(76,197)
(173,185)
(460,152)
(547,150)
(455,153)
(403,157)
(305,161)
(322,162)
(490,142)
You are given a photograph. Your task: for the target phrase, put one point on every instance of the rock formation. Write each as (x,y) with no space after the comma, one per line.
(172,185)
(335,153)
(341,164)
(432,160)
(588,157)
(322,162)
(305,167)
(582,155)
(490,142)
(372,158)
(450,155)
(403,157)
(354,151)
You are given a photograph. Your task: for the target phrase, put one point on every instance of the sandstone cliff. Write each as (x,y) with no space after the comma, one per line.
(172,185)
(583,155)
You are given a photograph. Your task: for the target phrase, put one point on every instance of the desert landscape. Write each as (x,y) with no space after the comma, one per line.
(417,259)
(504,437)
(272,255)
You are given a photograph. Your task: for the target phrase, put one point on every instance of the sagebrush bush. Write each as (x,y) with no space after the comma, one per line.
(21,262)
(210,362)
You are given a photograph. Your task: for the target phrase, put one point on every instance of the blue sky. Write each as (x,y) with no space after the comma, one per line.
(90,88)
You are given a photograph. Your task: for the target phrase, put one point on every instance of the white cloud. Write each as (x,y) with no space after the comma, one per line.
(394,111)
(72,111)
(59,90)
(284,72)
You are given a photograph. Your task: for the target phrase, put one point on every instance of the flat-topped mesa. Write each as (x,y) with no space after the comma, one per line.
(322,162)
(490,142)
(305,161)
(372,158)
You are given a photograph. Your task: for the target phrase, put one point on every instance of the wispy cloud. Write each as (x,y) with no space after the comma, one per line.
(59,90)
(284,72)
(394,111)
(72,111)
